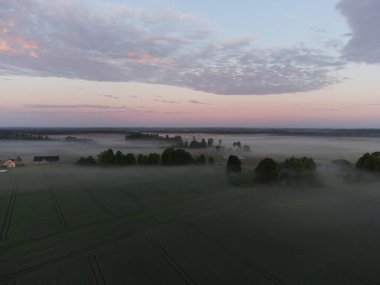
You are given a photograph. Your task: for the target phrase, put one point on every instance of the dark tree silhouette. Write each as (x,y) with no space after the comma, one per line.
(106,157)
(233,164)
(369,162)
(267,171)
(154,159)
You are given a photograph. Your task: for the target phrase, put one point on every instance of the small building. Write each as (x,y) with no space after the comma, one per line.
(9,163)
(45,159)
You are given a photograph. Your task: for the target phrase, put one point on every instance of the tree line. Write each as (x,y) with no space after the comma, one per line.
(169,156)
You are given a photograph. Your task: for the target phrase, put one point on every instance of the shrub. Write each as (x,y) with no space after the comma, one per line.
(233,164)
(267,171)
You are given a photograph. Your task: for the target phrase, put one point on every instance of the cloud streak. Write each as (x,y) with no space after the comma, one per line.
(72,39)
(73,107)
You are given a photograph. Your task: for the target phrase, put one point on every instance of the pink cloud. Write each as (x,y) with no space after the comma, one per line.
(19,46)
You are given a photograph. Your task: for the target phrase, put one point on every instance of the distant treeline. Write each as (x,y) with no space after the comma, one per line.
(169,156)
(22,136)
(76,139)
(273,131)
(177,141)
(148,136)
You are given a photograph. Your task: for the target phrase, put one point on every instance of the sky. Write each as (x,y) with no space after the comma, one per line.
(177,63)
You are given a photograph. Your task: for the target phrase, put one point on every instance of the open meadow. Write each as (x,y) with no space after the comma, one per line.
(66,224)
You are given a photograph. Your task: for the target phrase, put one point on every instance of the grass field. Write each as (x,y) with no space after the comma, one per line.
(183,225)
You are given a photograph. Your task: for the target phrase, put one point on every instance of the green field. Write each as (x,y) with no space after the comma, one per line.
(182,225)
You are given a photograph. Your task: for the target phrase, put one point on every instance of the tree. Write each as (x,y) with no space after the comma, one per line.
(267,171)
(119,158)
(201,159)
(130,159)
(210,142)
(369,162)
(237,144)
(172,156)
(142,159)
(106,157)
(299,165)
(203,143)
(86,161)
(167,156)
(233,164)
(154,159)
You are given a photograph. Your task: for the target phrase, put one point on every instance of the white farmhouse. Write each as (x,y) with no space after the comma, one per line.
(9,163)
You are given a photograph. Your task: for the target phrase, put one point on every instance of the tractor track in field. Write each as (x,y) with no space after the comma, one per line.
(133,198)
(97,270)
(36,267)
(95,199)
(9,212)
(57,207)
(262,271)
(175,265)
(318,260)
(78,252)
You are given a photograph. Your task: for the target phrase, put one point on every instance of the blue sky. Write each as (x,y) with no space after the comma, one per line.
(172,63)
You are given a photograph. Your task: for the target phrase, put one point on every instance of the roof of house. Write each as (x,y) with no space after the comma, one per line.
(10,159)
(46,158)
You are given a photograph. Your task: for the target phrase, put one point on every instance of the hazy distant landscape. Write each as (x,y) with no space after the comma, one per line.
(189,142)
(68,224)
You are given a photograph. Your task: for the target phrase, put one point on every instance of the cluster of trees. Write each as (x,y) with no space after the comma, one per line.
(293,170)
(369,162)
(76,139)
(148,136)
(170,156)
(240,146)
(177,141)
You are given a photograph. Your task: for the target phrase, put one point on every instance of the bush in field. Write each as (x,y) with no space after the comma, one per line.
(86,161)
(370,162)
(233,164)
(266,171)
(172,156)
(211,160)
